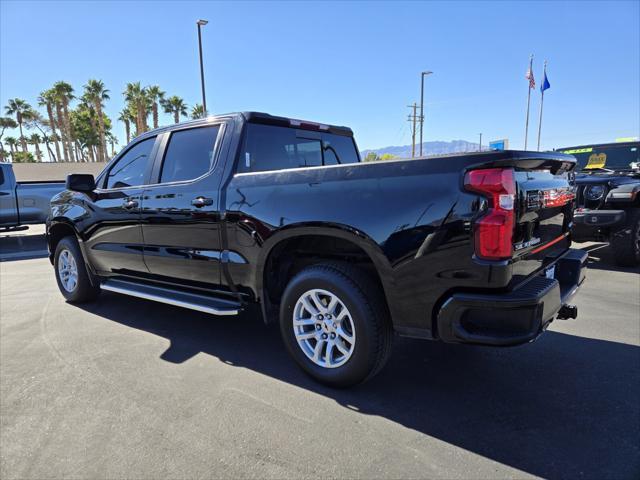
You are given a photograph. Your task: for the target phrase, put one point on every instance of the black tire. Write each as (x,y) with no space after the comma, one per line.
(626,241)
(368,312)
(84,290)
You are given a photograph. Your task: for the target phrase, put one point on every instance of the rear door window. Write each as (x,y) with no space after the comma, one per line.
(189,154)
(129,170)
(269,147)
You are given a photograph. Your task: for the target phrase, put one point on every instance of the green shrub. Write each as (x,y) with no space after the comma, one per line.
(23,157)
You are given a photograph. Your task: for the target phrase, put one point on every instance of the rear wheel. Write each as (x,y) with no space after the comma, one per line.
(335,324)
(626,242)
(71,273)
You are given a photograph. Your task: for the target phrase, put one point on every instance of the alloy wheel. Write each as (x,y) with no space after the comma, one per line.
(324,328)
(67,270)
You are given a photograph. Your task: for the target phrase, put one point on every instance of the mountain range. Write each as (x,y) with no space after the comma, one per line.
(428,148)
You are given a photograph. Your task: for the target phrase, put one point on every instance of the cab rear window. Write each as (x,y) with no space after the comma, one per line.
(270,147)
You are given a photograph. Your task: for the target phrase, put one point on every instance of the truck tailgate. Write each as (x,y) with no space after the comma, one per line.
(528,214)
(544,216)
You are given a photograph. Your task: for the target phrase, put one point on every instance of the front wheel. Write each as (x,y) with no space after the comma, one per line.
(335,324)
(71,273)
(626,242)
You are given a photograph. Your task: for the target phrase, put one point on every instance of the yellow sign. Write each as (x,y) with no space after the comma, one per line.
(596,161)
(577,150)
(626,139)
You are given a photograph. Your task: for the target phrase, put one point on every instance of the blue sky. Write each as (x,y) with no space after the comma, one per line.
(354,64)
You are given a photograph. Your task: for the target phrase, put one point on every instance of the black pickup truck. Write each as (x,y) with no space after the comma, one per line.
(224,213)
(608,197)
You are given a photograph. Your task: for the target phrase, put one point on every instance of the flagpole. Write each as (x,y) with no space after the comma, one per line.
(526,128)
(544,78)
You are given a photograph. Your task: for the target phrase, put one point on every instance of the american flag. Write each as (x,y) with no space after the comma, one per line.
(529,76)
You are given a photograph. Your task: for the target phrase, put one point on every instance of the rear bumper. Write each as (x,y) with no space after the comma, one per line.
(515,317)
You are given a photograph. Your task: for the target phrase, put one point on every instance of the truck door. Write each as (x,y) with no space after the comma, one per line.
(180,212)
(8,205)
(114,236)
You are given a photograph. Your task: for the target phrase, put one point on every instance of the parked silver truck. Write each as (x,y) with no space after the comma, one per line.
(23,203)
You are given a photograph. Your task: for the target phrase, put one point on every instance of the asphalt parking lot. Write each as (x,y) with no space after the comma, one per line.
(129,388)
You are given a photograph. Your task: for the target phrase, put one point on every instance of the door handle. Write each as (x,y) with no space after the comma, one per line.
(200,202)
(129,204)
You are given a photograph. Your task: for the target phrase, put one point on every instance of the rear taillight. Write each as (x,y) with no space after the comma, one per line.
(493,232)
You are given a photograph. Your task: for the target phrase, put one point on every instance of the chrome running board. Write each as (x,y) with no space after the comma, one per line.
(192,301)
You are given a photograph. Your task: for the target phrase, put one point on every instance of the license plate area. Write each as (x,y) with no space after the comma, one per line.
(550,272)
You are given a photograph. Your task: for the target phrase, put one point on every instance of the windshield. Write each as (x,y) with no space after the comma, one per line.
(611,157)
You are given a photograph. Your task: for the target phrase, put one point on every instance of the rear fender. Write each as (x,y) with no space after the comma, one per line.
(359,239)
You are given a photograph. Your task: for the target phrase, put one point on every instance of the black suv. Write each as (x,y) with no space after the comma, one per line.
(608,197)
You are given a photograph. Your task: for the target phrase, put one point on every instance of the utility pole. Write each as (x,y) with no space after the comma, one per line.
(413,118)
(422,75)
(480,148)
(201,23)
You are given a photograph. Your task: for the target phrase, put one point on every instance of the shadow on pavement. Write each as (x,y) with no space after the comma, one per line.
(601,258)
(565,406)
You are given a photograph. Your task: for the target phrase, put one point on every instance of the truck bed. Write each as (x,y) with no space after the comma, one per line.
(414,216)
(24,202)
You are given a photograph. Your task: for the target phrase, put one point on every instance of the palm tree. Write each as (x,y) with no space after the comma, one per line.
(64,95)
(126,118)
(96,93)
(197,111)
(42,125)
(23,111)
(156,96)
(51,138)
(12,142)
(86,108)
(6,122)
(113,141)
(176,106)
(139,103)
(59,121)
(36,140)
(47,99)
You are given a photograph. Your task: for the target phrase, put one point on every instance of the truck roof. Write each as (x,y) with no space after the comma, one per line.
(256,117)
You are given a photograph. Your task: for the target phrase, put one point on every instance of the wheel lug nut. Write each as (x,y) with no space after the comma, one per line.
(329,316)
(335,325)
(333,335)
(324,336)
(320,317)
(318,327)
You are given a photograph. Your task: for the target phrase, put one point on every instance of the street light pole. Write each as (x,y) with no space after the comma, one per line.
(422,75)
(201,23)
(480,149)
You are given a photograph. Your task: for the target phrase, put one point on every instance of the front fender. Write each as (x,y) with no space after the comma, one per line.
(59,227)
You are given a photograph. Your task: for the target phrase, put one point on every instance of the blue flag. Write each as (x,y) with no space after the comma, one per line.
(545,83)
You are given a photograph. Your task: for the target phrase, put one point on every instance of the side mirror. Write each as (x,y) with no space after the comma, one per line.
(81,182)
